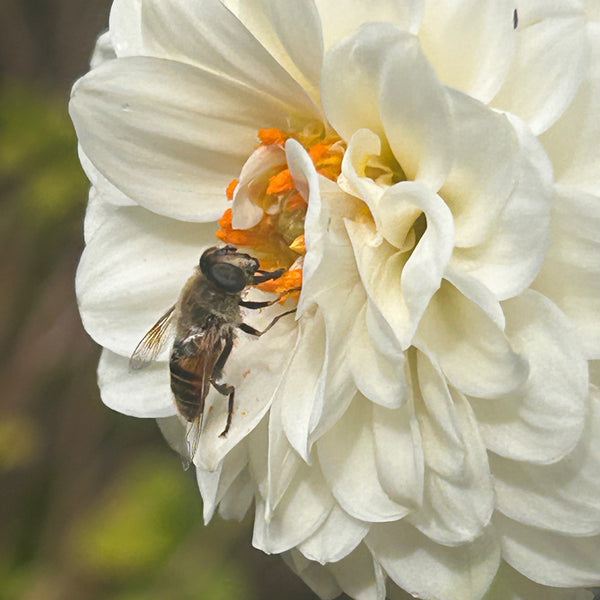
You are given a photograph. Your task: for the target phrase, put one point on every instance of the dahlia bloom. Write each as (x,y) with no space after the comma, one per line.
(427,423)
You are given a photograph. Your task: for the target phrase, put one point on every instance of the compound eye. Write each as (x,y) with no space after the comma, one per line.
(229,277)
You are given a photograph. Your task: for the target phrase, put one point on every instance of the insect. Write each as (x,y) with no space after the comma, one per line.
(205,319)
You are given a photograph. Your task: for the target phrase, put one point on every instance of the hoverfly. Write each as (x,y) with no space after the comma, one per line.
(205,318)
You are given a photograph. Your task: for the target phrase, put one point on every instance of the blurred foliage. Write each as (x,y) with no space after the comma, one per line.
(95,505)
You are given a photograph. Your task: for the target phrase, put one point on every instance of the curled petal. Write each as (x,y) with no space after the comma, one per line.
(379,79)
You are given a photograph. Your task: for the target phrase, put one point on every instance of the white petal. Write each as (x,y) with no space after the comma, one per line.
(329,265)
(359,575)
(343,17)
(317,577)
(484,169)
(299,391)
(547,557)
(572,141)
(379,376)
(104,187)
(170,135)
(379,79)
(132,270)
(563,496)
(543,421)
(143,393)
(259,166)
(283,460)
(399,454)
(125,26)
(298,49)
(300,513)
(214,485)
(511,585)
(471,350)
(201,33)
(430,571)
(103,50)
(254,369)
(550,63)
(347,457)
(481,39)
(458,496)
(238,498)
(337,537)
(511,256)
(571,273)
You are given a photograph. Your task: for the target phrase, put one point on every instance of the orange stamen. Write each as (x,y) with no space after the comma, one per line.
(272,136)
(231,188)
(281,182)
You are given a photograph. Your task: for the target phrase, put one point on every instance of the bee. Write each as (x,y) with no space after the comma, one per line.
(205,319)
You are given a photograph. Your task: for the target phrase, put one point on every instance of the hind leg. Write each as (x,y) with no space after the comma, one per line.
(227,390)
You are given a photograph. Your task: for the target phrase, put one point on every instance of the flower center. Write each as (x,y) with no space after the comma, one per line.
(269,210)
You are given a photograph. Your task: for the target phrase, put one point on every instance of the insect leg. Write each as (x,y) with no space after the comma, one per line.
(267,275)
(251,304)
(227,390)
(252,331)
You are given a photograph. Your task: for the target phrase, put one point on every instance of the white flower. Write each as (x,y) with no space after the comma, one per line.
(426,422)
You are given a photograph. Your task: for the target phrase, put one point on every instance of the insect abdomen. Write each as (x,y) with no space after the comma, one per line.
(188,390)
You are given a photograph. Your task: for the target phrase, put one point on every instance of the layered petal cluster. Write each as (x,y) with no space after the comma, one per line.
(427,424)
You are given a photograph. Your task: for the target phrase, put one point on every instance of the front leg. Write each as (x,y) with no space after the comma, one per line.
(252,331)
(263,304)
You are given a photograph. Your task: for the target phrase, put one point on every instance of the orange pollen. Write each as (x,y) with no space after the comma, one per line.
(272,136)
(282,182)
(277,240)
(231,188)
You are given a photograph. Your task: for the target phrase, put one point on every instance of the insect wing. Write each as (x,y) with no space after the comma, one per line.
(153,342)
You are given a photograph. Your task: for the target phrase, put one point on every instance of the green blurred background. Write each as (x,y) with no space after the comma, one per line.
(93,504)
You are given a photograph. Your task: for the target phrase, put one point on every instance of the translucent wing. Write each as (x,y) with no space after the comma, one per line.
(153,342)
(192,365)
